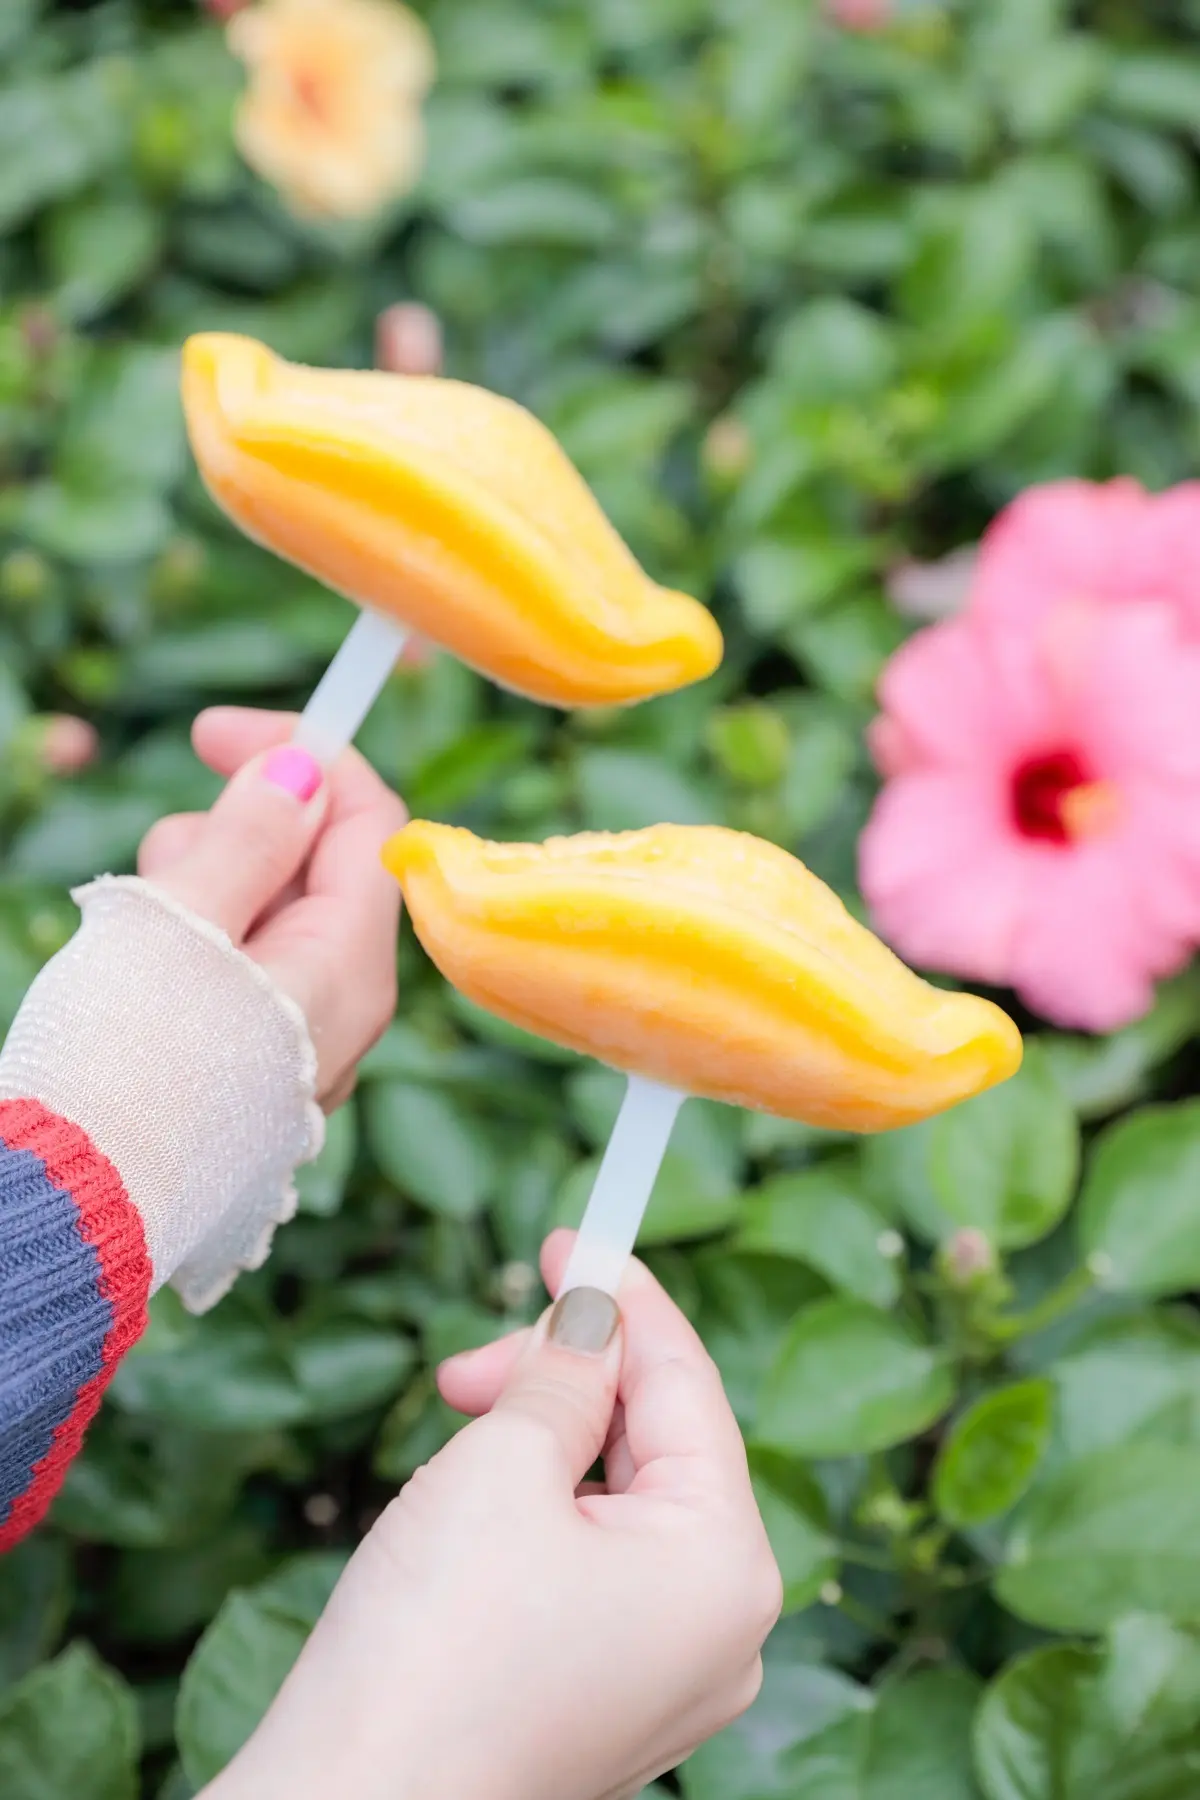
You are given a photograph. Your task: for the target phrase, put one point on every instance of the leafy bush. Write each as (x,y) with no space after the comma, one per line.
(801,302)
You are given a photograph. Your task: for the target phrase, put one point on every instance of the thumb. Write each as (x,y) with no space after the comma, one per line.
(566,1380)
(253,842)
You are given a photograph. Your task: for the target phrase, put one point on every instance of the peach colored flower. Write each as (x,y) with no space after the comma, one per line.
(331,116)
(1081,540)
(408,339)
(1040,825)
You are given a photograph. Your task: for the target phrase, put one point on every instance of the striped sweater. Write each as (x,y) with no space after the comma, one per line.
(74,1283)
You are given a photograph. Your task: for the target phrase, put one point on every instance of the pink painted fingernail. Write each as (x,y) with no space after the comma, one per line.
(293,770)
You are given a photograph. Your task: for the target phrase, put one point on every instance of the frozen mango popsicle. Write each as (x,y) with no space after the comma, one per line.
(698,961)
(442,509)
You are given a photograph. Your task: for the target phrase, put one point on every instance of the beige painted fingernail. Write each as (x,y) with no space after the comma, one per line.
(584,1319)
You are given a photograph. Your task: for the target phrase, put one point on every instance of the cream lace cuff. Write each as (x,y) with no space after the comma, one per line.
(186,1066)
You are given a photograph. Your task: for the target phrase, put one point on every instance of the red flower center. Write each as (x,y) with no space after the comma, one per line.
(1057,799)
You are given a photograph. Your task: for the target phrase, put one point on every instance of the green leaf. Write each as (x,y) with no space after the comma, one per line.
(1111,1533)
(430,1147)
(992,1452)
(159,1596)
(97,250)
(1117,1721)
(843,648)
(796,1515)
(750,743)
(1138,1209)
(1129,1378)
(833,349)
(344,1366)
(897,1177)
(823,756)
(1005,1163)
(747,1305)
(919,1739)
(225,1371)
(94,520)
(849,1380)
(820,1217)
(780,579)
(812,1735)
(172,1488)
(687,1201)
(1159,88)
(233,654)
(321,1184)
(126,423)
(623,790)
(536,210)
(35,1594)
(69,1728)
(750,1760)
(242,1661)
(58,136)
(1099,1075)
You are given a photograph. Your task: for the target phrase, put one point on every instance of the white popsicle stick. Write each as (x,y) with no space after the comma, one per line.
(623,1186)
(350,686)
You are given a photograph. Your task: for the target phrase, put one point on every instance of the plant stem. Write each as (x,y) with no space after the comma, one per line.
(1055,1305)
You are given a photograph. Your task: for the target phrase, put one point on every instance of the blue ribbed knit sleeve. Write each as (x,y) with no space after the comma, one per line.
(74,1282)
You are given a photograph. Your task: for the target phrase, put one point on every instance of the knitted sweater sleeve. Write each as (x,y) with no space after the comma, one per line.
(74,1282)
(156,1096)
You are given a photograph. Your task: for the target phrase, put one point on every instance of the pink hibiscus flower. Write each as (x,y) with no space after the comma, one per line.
(1082,540)
(1040,825)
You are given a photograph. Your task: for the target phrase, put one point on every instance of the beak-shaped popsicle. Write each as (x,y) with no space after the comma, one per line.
(447,507)
(705,959)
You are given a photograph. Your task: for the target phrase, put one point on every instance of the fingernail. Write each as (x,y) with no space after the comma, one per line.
(584,1319)
(293,770)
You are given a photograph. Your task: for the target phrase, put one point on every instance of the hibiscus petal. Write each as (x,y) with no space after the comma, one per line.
(1085,958)
(945,882)
(939,692)
(1066,540)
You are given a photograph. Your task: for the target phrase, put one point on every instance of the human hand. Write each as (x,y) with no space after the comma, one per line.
(287,863)
(508,1632)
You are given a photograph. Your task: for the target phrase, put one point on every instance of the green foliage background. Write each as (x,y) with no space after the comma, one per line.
(911,273)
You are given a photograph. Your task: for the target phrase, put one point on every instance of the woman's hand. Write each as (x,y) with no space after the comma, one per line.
(509,1632)
(287,863)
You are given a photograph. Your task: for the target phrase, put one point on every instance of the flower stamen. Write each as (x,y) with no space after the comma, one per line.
(1056,799)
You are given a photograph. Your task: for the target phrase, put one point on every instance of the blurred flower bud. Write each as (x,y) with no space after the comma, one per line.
(750,743)
(728,449)
(968,1257)
(178,568)
(39,328)
(517,1283)
(935,590)
(24,577)
(162,142)
(860,15)
(320,1510)
(50,930)
(68,743)
(408,339)
(223,9)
